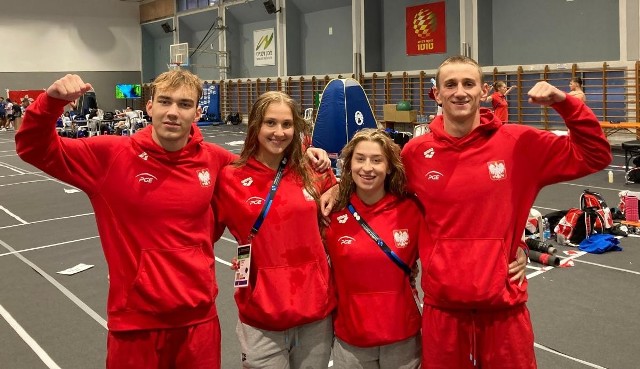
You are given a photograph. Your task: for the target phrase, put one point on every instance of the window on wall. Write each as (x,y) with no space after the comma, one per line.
(183,5)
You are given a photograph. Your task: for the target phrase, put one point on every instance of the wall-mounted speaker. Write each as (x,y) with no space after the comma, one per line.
(270,7)
(166,27)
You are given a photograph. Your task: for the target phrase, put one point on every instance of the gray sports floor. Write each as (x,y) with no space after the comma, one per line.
(585,316)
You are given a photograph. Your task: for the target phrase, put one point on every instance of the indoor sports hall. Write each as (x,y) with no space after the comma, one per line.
(54,279)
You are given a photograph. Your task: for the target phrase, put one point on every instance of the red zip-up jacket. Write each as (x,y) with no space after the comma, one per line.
(375,301)
(289,279)
(153,211)
(477,191)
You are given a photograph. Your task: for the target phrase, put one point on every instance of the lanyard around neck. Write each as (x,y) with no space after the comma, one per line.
(268,200)
(383,246)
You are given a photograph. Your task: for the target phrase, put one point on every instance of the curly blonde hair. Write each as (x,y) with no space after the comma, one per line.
(395,182)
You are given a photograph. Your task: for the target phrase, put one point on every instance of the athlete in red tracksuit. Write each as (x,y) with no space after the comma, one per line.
(477,179)
(499,102)
(285,310)
(375,301)
(151,194)
(377,322)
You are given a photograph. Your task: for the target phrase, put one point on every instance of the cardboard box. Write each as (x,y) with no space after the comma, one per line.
(389,112)
(406,116)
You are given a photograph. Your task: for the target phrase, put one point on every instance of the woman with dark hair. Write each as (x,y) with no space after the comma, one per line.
(575,85)
(377,323)
(268,199)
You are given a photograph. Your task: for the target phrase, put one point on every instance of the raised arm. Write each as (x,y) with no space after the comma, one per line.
(38,143)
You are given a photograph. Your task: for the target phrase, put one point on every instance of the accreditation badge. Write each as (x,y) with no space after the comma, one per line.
(244,264)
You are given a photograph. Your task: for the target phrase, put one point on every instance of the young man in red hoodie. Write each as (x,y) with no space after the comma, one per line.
(156,240)
(477,178)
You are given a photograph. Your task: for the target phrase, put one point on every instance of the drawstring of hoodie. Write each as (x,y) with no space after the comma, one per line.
(473,342)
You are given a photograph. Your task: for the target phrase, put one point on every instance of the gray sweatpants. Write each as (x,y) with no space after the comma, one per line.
(400,355)
(303,347)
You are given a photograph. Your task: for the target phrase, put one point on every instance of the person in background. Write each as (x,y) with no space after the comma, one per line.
(3,113)
(18,111)
(8,122)
(575,85)
(499,100)
(377,322)
(474,315)
(268,201)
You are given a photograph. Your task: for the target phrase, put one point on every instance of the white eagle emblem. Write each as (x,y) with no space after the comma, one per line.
(497,170)
(204,177)
(401,238)
(429,153)
(247,181)
(342,219)
(359,118)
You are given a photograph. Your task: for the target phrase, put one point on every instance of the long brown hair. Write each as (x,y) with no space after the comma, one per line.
(297,160)
(394,183)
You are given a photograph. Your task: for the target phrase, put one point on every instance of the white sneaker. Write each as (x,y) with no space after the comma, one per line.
(3,129)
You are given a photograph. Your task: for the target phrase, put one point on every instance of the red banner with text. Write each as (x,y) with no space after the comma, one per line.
(426,29)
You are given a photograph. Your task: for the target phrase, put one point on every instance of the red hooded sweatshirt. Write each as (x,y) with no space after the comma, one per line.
(375,301)
(477,191)
(153,211)
(289,279)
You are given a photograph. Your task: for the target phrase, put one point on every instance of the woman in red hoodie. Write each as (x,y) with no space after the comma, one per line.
(499,100)
(377,323)
(268,201)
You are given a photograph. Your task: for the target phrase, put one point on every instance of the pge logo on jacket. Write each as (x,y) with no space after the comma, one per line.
(255,200)
(497,170)
(146,178)
(434,175)
(346,241)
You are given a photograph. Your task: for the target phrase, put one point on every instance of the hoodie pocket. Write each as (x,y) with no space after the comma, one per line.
(172,280)
(466,272)
(289,295)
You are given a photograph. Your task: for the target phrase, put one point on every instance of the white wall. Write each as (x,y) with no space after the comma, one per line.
(69,35)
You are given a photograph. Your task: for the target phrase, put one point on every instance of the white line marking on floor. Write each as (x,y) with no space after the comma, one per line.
(11,167)
(71,190)
(13,215)
(608,267)
(545,348)
(25,182)
(47,246)
(46,220)
(222,261)
(46,359)
(60,287)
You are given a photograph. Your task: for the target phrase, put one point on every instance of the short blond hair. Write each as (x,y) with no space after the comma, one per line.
(459,59)
(175,79)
